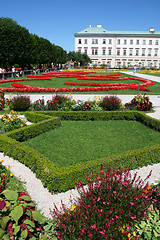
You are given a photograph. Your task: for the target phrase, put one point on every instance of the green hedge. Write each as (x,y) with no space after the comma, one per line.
(61,179)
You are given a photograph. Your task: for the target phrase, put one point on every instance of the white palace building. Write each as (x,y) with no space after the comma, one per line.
(119,48)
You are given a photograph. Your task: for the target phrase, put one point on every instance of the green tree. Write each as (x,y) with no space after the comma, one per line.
(16,44)
(79,57)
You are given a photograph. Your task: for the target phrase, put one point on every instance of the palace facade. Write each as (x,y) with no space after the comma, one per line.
(118,49)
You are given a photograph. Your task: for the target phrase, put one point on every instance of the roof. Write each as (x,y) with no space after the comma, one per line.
(102,31)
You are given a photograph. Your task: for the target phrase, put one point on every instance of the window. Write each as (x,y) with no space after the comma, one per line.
(118,41)
(94,51)
(85,51)
(125,41)
(85,41)
(104,41)
(155,64)
(131,41)
(137,41)
(156,42)
(79,41)
(118,51)
(79,50)
(124,64)
(94,41)
(149,52)
(109,51)
(137,52)
(130,52)
(144,42)
(110,41)
(104,51)
(156,52)
(124,52)
(150,42)
(143,52)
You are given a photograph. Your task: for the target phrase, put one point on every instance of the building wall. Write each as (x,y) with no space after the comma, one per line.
(120,50)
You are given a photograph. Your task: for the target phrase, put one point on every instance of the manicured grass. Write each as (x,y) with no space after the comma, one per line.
(59,83)
(81,141)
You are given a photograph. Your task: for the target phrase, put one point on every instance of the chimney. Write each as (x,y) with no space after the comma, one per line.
(151,30)
(90,25)
(99,25)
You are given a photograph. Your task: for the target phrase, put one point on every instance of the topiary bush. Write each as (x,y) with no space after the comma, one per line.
(110,103)
(20,103)
(111,200)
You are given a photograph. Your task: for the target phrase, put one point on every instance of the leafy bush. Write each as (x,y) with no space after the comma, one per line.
(20,103)
(12,121)
(110,201)
(140,103)
(39,105)
(149,229)
(18,217)
(58,101)
(2,101)
(110,103)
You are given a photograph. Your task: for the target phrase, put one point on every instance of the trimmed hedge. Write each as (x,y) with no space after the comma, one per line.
(62,179)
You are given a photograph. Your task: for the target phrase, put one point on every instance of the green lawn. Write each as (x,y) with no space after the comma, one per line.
(81,141)
(59,83)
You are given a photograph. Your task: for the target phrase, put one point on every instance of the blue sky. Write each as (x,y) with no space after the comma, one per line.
(57,21)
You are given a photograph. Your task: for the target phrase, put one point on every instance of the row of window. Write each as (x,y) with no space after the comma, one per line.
(119,52)
(130,64)
(122,41)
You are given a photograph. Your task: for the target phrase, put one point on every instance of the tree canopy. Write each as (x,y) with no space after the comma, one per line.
(19,47)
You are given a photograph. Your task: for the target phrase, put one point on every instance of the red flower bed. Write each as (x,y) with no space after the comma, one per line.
(80,76)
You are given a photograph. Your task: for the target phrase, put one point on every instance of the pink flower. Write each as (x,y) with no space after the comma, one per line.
(133,217)
(132,203)
(93,226)
(114,192)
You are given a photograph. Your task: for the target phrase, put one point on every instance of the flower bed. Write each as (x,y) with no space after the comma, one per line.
(98,87)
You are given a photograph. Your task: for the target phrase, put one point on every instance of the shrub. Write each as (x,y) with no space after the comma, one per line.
(20,103)
(110,103)
(58,101)
(110,201)
(140,103)
(39,105)
(18,217)
(12,121)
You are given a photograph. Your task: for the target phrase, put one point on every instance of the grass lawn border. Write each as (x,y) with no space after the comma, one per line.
(62,179)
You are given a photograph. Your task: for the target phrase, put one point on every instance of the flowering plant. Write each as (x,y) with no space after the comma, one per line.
(110,103)
(19,103)
(140,103)
(111,200)
(59,102)
(12,121)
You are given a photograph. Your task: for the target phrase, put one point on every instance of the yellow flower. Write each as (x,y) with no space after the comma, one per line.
(6,168)
(134,234)
(72,208)
(3,174)
(11,119)
(2,161)
(11,174)
(129,235)
(21,125)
